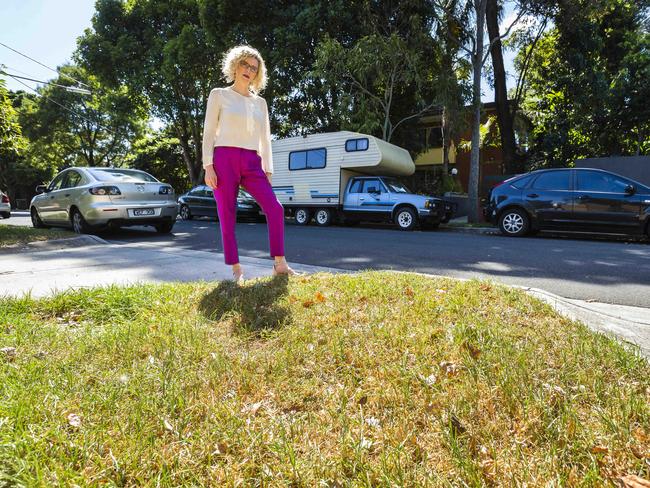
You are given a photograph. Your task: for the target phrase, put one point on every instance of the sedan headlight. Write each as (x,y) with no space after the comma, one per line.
(105,190)
(166,190)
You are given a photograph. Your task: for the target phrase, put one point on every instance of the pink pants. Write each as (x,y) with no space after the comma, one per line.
(236,166)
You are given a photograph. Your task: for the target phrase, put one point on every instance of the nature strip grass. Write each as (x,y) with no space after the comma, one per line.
(11,235)
(373,379)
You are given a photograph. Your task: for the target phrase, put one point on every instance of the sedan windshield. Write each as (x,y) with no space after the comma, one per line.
(394,186)
(126,175)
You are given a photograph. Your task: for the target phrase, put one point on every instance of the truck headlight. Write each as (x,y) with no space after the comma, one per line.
(430,204)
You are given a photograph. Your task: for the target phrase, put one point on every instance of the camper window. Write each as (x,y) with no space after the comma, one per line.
(311,159)
(356,145)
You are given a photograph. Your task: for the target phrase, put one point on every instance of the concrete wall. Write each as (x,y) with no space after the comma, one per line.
(633,167)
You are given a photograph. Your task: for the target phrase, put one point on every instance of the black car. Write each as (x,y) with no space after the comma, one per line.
(570,199)
(200,202)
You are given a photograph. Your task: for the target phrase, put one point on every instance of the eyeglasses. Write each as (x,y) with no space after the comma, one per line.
(250,67)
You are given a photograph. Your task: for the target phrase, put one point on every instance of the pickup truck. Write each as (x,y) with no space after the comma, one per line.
(378,199)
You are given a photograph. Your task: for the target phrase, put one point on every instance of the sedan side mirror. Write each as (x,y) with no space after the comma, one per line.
(630,190)
(41,189)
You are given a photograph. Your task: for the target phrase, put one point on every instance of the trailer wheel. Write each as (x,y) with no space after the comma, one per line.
(302,216)
(323,217)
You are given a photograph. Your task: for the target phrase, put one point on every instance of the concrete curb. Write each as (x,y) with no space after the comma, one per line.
(470,230)
(78,241)
(623,322)
(629,325)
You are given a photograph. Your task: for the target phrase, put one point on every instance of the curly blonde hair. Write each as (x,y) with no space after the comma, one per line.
(231,60)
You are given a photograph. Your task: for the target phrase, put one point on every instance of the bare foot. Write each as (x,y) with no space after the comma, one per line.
(283,269)
(238,275)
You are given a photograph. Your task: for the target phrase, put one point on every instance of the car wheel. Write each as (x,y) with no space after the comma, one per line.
(5,215)
(165,228)
(302,216)
(37,223)
(406,219)
(79,224)
(185,212)
(323,217)
(514,222)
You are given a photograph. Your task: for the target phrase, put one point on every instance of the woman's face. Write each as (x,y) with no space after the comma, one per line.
(247,69)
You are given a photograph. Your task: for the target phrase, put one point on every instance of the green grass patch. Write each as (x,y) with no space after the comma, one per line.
(375,379)
(12,235)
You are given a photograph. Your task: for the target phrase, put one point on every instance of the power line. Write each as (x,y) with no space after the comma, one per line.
(45,66)
(68,88)
(63,106)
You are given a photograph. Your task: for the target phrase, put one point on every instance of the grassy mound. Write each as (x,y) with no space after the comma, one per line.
(362,380)
(11,235)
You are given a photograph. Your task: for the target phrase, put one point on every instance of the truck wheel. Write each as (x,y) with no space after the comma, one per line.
(514,222)
(406,219)
(302,216)
(323,217)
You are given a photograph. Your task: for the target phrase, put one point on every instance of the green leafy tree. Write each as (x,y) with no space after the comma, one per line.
(87,130)
(162,157)
(587,89)
(12,143)
(162,51)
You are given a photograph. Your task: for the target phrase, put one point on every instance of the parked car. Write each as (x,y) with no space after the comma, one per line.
(570,199)
(93,198)
(200,202)
(5,206)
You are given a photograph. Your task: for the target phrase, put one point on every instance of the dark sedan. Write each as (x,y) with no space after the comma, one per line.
(570,199)
(200,202)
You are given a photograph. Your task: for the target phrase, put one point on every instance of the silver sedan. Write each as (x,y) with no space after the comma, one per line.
(90,198)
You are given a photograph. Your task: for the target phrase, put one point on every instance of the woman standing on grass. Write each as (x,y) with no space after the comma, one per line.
(237,151)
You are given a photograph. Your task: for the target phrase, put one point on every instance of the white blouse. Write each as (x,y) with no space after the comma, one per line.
(232,119)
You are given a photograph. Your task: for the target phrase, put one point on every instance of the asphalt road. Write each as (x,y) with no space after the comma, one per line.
(605,270)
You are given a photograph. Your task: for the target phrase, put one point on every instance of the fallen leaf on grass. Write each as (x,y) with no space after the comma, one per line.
(8,353)
(252,408)
(308,303)
(220,449)
(363,400)
(450,369)
(474,351)
(599,450)
(74,420)
(168,425)
(319,297)
(633,481)
(409,292)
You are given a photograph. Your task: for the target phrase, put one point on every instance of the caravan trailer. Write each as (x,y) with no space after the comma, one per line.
(350,177)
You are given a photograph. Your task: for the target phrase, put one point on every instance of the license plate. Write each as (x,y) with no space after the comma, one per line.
(143,211)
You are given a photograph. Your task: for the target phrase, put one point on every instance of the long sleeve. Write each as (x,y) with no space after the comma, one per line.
(265,142)
(212,113)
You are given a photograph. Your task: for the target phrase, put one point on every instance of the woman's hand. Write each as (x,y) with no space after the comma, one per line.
(210,177)
(269,176)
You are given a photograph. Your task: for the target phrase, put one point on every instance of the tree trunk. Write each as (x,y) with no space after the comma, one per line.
(445,142)
(477,67)
(504,115)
